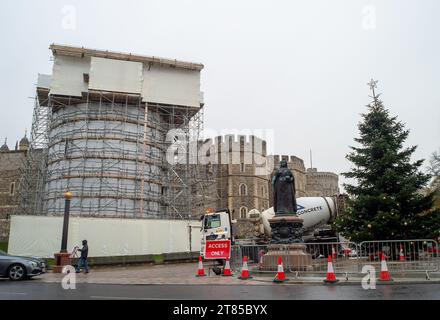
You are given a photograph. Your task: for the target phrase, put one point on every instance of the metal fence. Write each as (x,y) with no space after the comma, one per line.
(347,257)
(402,255)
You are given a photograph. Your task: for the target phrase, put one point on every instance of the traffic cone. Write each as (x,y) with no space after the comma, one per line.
(401,255)
(384,273)
(244,270)
(200,271)
(227,269)
(331,277)
(281,276)
(334,256)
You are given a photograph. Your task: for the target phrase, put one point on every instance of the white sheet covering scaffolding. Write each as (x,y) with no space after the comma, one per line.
(108,147)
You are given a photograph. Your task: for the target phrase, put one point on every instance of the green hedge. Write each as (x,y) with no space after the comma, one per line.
(4,246)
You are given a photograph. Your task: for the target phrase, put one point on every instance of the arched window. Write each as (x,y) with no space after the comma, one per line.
(243,189)
(243,212)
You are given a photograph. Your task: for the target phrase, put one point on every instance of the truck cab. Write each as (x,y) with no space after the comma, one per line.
(216,226)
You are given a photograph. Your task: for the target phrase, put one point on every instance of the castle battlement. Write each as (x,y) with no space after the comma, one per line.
(323,174)
(236,144)
(234,149)
(293,162)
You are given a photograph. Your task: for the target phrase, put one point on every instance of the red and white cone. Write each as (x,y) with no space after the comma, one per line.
(401,255)
(384,273)
(334,256)
(281,276)
(200,271)
(331,276)
(245,270)
(227,269)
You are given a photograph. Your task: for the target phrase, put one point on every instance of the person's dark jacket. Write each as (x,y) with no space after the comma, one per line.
(84,251)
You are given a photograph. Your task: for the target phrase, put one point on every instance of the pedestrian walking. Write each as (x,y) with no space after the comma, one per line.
(82,261)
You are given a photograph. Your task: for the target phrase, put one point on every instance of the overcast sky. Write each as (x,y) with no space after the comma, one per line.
(299,68)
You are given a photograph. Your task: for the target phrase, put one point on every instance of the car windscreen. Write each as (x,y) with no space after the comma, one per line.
(212,221)
(2,253)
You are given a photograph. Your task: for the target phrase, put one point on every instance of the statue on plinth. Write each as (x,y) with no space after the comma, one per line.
(286,226)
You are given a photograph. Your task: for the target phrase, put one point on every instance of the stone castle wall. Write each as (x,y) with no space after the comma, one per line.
(10,164)
(321,184)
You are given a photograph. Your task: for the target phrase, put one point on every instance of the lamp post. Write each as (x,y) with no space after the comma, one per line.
(63,257)
(68,196)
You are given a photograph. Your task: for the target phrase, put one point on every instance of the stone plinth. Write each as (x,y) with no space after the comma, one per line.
(286,243)
(286,229)
(62,259)
(295,257)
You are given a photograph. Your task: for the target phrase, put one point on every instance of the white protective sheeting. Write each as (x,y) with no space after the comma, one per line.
(115,75)
(44,81)
(41,236)
(68,75)
(174,86)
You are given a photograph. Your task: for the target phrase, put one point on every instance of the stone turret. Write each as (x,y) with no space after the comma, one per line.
(24,143)
(4,147)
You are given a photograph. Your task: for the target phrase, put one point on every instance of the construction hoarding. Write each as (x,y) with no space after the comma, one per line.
(40,236)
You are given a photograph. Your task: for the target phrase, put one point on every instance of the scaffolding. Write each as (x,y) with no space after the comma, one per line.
(111,150)
(30,191)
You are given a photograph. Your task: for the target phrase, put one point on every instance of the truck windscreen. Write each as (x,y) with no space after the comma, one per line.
(212,221)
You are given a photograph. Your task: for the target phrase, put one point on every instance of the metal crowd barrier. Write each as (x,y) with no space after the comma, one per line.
(420,255)
(402,255)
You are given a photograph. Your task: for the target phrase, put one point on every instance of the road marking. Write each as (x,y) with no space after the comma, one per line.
(129,298)
(14,293)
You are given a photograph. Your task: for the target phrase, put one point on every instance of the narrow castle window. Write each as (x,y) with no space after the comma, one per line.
(243,212)
(12,189)
(242,167)
(243,190)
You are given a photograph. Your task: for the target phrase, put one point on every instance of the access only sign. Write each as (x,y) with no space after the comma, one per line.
(218,249)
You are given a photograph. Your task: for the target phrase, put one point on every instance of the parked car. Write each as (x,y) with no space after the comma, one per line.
(18,268)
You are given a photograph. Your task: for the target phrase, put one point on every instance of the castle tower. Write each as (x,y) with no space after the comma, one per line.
(242,177)
(321,184)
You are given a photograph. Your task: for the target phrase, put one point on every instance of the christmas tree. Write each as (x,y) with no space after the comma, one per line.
(386,201)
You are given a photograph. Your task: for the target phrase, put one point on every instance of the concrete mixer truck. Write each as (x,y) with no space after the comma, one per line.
(316,212)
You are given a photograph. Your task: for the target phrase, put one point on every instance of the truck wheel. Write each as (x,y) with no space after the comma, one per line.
(17,272)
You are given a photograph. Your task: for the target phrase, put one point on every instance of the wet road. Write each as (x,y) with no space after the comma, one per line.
(37,290)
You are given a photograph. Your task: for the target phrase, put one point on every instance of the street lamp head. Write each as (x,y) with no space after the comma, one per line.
(68,195)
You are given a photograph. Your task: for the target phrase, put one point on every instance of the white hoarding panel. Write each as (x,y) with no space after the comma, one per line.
(41,236)
(115,75)
(68,75)
(173,86)
(44,81)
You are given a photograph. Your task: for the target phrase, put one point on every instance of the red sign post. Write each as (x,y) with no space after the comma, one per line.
(218,249)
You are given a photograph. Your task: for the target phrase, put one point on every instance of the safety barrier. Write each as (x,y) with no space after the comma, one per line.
(420,255)
(402,255)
